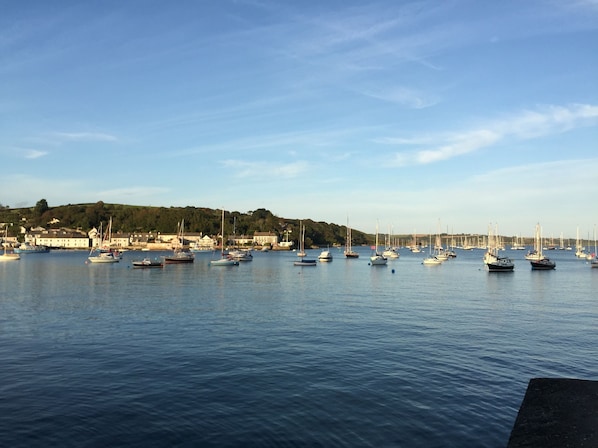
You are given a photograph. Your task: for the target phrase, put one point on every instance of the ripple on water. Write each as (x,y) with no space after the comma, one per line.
(267,354)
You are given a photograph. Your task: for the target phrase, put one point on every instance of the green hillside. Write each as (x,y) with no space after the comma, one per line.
(131,218)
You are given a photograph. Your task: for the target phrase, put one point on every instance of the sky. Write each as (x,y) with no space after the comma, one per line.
(410,116)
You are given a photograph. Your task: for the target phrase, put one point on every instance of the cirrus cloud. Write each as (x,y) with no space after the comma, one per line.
(524,125)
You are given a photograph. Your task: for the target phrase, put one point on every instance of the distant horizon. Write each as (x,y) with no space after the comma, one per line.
(585,236)
(403,114)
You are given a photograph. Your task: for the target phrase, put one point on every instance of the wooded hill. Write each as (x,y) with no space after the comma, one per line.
(131,218)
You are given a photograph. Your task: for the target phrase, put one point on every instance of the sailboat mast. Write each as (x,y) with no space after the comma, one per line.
(182,233)
(222,231)
(348,242)
(303,239)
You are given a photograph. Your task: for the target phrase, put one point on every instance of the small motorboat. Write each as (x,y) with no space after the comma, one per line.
(241,255)
(104,256)
(26,248)
(147,263)
(325,256)
(224,261)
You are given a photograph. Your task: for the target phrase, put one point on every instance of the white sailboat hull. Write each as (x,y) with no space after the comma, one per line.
(224,262)
(104,258)
(378,260)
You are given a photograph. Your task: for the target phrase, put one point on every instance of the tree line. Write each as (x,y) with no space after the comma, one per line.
(140,219)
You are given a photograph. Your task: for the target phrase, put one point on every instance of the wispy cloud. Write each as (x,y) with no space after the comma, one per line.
(243,168)
(26,153)
(528,199)
(549,120)
(58,139)
(37,187)
(402,95)
(34,153)
(529,180)
(292,143)
(462,144)
(85,136)
(333,32)
(337,46)
(131,192)
(582,5)
(74,190)
(525,125)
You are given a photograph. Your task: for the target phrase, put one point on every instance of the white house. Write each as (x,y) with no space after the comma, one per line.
(241,240)
(204,243)
(265,239)
(64,239)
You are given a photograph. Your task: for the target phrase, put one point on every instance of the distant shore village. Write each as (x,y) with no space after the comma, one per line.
(64,238)
(77,239)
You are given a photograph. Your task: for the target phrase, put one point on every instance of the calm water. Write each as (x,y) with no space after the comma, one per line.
(270,354)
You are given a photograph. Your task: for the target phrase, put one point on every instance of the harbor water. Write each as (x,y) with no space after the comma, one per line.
(270,354)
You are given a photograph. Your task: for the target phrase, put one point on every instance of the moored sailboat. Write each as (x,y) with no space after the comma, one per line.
(594,260)
(180,255)
(103,253)
(414,246)
(439,251)
(225,259)
(390,252)
(495,263)
(432,259)
(377,259)
(304,261)
(579,249)
(349,252)
(8,256)
(540,262)
(301,252)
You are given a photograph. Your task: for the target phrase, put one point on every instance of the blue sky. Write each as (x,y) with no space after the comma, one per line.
(402,113)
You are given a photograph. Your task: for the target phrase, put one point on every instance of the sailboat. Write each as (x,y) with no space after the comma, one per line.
(304,261)
(594,262)
(414,247)
(579,249)
(493,262)
(103,253)
(8,256)
(390,252)
(180,255)
(377,259)
(517,243)
(439,251)
(540,262)
(535,254)
(349,252)
(431,260)
(224,260)
(301,252)
(450,251)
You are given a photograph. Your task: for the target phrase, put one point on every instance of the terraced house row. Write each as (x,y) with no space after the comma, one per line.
(65,238)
